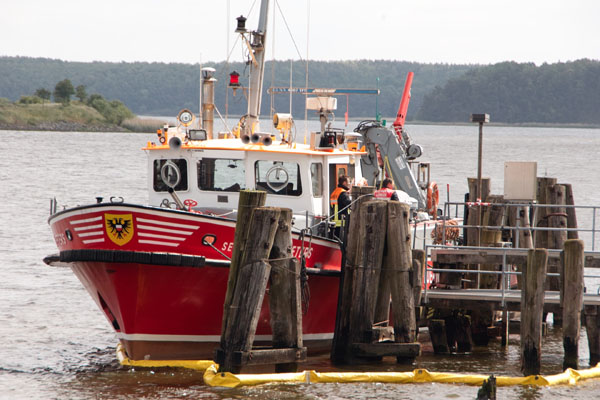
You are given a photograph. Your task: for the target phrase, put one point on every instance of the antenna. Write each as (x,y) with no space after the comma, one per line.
(200,121)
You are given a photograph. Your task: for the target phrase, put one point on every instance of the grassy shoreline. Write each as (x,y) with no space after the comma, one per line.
(74,117)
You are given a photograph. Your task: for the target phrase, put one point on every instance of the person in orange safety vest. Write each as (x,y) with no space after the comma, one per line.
(339,202)
(387,191)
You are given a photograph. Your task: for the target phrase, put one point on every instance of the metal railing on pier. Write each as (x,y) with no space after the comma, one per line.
(505,252)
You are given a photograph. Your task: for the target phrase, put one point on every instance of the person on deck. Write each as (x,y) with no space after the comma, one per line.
(387,191)
(339,202)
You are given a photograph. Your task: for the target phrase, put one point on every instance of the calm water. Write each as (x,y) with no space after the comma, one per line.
(56,344)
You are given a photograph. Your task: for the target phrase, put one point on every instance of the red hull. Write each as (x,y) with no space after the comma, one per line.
(174,310)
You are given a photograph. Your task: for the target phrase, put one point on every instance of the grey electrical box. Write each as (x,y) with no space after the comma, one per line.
(520,180)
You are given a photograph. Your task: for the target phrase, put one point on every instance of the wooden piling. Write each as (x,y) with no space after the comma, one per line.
(557,218)
(248,201)
(571,212)
(419,273)
(248,292)
(285,301)
(437,335)
(399,266)
(353,246)
(540,237)
(532,306)
(383,229)
(373,214)
(487,391)
(475,217)
(505,327)
(572,300)
(522,236)
(592,326)
(464,339)
(492,216)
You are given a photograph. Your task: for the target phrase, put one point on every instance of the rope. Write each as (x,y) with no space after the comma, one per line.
(288,29)
(304,288)
(452,232)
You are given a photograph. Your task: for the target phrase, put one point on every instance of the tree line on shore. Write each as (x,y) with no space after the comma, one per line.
(115,112)
(510,92)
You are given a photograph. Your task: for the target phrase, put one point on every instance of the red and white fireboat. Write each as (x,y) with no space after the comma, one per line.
(159,271)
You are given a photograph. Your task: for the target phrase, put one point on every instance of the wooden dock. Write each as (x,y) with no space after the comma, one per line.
(568,304)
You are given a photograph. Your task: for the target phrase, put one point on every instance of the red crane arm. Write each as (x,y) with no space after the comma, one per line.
(401,116)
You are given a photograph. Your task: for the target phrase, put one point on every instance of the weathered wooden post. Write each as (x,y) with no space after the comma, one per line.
(267,252)
(373,214)
(248,292)
(249,200)
(493,216)
(540,237)
(572,299)
(522,236)
(419,273)
(482,319)
(592,326)
(571,212)
(438,336)
(474,219)
(399,269)
(487,391)
(353,254)
(285,299)
(557,218)
(532,306)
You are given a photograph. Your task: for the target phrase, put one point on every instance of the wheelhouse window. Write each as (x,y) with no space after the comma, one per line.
(222,175)
(278,177)
(316,178)
(170,173)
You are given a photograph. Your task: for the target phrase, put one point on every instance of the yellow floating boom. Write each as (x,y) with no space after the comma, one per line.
(227,379)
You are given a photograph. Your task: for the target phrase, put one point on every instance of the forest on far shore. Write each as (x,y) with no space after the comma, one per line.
(520,93)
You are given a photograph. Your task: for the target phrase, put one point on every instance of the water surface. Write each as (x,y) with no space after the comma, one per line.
(57,344)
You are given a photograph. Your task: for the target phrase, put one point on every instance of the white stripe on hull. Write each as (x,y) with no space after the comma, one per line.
(84,221)
(87,228)
(152,235)
(93,241)
(172,224)
(86,234)
(158,243)
(156,228)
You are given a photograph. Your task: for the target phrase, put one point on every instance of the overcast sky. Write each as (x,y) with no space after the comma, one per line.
(189,31)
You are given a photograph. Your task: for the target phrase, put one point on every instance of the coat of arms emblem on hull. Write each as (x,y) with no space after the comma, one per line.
(119,227)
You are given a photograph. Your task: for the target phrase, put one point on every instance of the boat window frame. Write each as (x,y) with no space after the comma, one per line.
(241,185)
(318,174)
(159,185)
(276,166)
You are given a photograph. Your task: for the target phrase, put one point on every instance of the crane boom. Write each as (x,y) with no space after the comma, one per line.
(401,115)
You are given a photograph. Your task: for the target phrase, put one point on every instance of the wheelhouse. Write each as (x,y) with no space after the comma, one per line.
(212,173)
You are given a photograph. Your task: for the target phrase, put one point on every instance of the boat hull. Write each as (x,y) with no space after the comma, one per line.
(142,266)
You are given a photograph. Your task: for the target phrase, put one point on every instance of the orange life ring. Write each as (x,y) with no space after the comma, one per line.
(433,198)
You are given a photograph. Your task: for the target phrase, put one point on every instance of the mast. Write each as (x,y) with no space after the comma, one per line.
(257,49)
